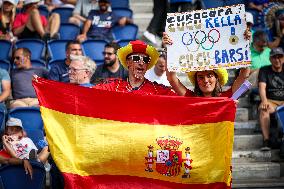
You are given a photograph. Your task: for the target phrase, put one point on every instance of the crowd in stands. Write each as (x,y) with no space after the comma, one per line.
(53,39)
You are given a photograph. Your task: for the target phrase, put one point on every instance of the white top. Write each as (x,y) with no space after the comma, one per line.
(23,147)
(152,76)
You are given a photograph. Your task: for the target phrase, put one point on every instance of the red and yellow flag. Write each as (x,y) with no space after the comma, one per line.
(102,139)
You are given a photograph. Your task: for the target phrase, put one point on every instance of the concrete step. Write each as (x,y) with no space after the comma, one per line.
(246,128)
(275,183)
(142,7)
(242,115)
(142,20)
(248,142)
(256,170)
(255,155)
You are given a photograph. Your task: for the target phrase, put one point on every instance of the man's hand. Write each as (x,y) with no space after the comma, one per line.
(264,105)
(28,167)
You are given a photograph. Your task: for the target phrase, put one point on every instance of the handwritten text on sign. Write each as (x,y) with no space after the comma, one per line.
(208,39)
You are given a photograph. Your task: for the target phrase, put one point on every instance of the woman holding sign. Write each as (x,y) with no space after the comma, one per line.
(207,83)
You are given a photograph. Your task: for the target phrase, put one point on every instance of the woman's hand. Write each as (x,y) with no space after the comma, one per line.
(166,39)
(247,34)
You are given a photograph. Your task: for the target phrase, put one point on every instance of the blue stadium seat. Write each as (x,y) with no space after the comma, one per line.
(30,117)
(221,3)
(35,135)
(69,31)
(5,64)
(119,3)
(56,49)
(36,46)
(64,12)
(123,43)
(127,32)
(14,176)
(99,62)
(94,49)
(5,49)
(43,11)
(38,63)
(280,116)
(123,12)
(2,120)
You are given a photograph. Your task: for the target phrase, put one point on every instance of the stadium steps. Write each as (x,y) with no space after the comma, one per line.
(251,167)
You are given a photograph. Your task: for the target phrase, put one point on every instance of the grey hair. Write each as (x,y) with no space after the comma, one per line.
(88,63)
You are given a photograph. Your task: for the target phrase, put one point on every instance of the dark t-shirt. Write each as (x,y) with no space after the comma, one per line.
(22,81)
(101,24)
(274,82)
(59,72)
(102,73)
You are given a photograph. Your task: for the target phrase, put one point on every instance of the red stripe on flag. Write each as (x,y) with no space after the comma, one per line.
(127,107)
(73,181)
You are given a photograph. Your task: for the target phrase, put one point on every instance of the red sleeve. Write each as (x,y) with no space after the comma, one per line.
(105,86)
(228,93)
(19,21)
(189,93)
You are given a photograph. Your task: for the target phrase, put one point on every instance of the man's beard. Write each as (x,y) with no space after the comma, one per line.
(109,64)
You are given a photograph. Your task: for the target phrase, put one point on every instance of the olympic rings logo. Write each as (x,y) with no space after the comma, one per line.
(200,38)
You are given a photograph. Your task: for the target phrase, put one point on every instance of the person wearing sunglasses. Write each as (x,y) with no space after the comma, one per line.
(111,68)
(81,70)
(21,77)
(137,57)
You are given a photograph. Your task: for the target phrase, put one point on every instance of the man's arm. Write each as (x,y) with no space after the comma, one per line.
(6,90)
(262,93)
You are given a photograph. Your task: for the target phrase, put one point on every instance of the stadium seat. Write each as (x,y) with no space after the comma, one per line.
(56,49)
(5,64)
(64,12)
(123,43)
(280,116)
(14,176)
(69,31)
(5,49)
(43,11)
(36,46)
(94,49)
(119,3)
(30,117)
(38,63)
(123,12)
(99,62)
(35,135)
(127,32)
(2,119)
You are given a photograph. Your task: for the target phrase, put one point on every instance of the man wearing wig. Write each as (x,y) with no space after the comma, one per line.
(137,57)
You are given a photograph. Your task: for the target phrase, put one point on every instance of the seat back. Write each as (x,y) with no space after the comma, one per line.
(123,43)
(94,49)
(36,46)
(43,11)
(5,49)
(14,176)
(119,3)
(38,63)
(56,49)
(123,12)
(64,12)
(5,64)
(280,116)
(127,32)
(69,31)
(30,117)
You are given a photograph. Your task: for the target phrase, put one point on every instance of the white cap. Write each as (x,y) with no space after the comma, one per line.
(26,2)
(14,2)
(249,17)
(14,122)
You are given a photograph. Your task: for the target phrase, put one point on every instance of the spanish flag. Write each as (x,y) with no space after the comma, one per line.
(110,140)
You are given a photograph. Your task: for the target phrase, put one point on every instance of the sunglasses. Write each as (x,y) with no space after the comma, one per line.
(17,58)
(138,58)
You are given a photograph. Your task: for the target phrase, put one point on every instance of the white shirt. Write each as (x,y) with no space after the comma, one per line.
(152,76)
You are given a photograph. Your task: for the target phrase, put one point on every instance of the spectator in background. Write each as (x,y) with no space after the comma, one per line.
(256,7)
(271,91)
(51,4)
(22,90)
(81,70)
(7,16)
(100,22)
(259,55)
(278,30)
(5,91)
(59,71)
(158,72)
(250,22)
(181,6)
(81,11)
(30,24)
(158,21)
(111,67)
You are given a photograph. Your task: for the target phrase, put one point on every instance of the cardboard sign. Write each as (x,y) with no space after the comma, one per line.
(208,39)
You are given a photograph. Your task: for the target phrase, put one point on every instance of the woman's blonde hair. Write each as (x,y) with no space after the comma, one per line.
(8,19)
